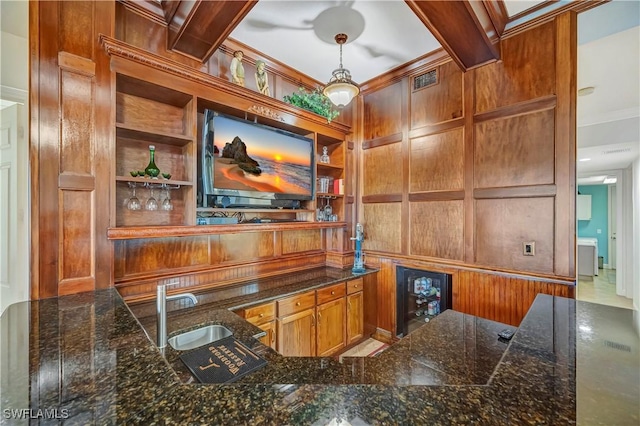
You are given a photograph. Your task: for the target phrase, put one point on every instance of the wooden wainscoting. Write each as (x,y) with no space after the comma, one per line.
(495,295)
(501,297)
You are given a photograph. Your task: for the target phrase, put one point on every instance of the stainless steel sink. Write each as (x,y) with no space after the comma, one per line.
(199,337)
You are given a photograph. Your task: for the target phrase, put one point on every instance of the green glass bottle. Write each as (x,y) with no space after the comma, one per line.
(152,170)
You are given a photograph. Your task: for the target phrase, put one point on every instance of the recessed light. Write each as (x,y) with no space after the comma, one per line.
(585,159)
(586,91)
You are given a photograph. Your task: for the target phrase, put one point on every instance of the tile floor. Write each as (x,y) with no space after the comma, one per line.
(601,289)
(365,348)
(607,355)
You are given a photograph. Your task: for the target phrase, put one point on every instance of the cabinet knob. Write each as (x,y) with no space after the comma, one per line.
(355,286)
(333,292)
(297,303)
(261,315)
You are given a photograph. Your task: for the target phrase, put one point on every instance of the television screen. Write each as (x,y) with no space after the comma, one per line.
(247,159)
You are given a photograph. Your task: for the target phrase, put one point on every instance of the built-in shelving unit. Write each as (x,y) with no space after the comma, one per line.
(160,102)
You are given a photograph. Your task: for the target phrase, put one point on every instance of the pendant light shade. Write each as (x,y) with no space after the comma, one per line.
(341,89)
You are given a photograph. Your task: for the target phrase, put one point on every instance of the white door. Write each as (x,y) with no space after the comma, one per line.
(11,289)
(612,227)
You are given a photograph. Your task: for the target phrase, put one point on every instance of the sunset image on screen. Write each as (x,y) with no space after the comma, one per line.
(283,161)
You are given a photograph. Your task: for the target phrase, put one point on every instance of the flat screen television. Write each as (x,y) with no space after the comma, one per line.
(247,164)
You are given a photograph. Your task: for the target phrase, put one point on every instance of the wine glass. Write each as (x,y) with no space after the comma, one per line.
(152,203)
(133,203)
(166,203)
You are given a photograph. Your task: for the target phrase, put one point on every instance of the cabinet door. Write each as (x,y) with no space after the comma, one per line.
(331,329)
(355,317)
(297,334)
(270,338)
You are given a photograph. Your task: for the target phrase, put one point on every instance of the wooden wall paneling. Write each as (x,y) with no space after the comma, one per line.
(386,300)
(498,297)
(382,170)
(469,171)
(76,180)
(565,152)
(72,139)
(515,151)
(370,307)
(297,241)
(440,102)
(382,112)
(148,33)
(436,162)
(382,224)
(503,225)
(143,286)
(162,255)
(527,70)
(436,229)
(250,246)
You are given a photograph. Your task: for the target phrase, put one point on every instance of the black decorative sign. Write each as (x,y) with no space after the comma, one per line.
(223,361)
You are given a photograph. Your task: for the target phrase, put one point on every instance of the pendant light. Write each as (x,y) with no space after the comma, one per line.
(341,89)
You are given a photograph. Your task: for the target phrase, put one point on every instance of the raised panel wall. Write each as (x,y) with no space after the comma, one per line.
(436,229)
(527,70)
(437,162)
(382,170)
(515,151)
(440,102)
(383,229)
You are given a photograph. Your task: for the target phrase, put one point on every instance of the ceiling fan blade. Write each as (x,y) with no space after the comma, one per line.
(267,26)
(376,52)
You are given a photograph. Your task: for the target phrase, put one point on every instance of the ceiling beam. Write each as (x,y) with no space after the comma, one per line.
(198,27)
(464,28)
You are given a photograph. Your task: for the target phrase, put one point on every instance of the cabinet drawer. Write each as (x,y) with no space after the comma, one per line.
(331,293)
(260,314)
(354,286)
(297,303)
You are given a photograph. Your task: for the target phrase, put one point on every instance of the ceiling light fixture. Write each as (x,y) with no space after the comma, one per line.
(585,159)
(341,89)
(609,180)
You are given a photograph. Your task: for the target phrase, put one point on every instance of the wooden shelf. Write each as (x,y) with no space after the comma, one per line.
(153,181)
(251,210)
(328,195)
(329,166)
(130,233)
(134,132)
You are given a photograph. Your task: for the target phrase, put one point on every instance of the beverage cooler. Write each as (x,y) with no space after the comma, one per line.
(421,296)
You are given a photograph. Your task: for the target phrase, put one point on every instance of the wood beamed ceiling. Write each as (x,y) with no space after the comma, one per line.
(470,31)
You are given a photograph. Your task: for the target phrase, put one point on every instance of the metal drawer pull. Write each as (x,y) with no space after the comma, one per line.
(333,292)
(261,315)
(297,303)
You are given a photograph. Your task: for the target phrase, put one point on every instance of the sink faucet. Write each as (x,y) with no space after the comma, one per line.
(161,309)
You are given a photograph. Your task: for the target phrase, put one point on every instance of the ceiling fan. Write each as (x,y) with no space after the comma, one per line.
(342,18)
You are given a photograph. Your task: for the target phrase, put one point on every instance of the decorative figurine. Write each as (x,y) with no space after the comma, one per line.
(324,158)
(358,261)
(237,69)
(262,79)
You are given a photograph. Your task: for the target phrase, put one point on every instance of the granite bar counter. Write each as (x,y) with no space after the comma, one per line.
(86,359)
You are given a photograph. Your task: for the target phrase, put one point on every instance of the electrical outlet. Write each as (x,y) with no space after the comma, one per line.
(529,248)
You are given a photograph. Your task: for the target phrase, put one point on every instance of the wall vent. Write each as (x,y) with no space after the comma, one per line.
(618,346)
(425,80)
(616,151)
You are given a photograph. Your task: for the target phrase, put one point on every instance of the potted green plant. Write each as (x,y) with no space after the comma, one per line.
(313,101)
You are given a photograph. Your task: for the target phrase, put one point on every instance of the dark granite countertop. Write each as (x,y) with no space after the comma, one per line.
(87,357)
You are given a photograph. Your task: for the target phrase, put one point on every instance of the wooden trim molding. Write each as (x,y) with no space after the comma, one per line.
(437,195)
(132,232)
(117,48)
(521,108)
(381,141)
(516,192)
(382,198)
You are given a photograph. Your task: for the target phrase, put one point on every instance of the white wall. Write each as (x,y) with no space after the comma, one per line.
(14,64)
